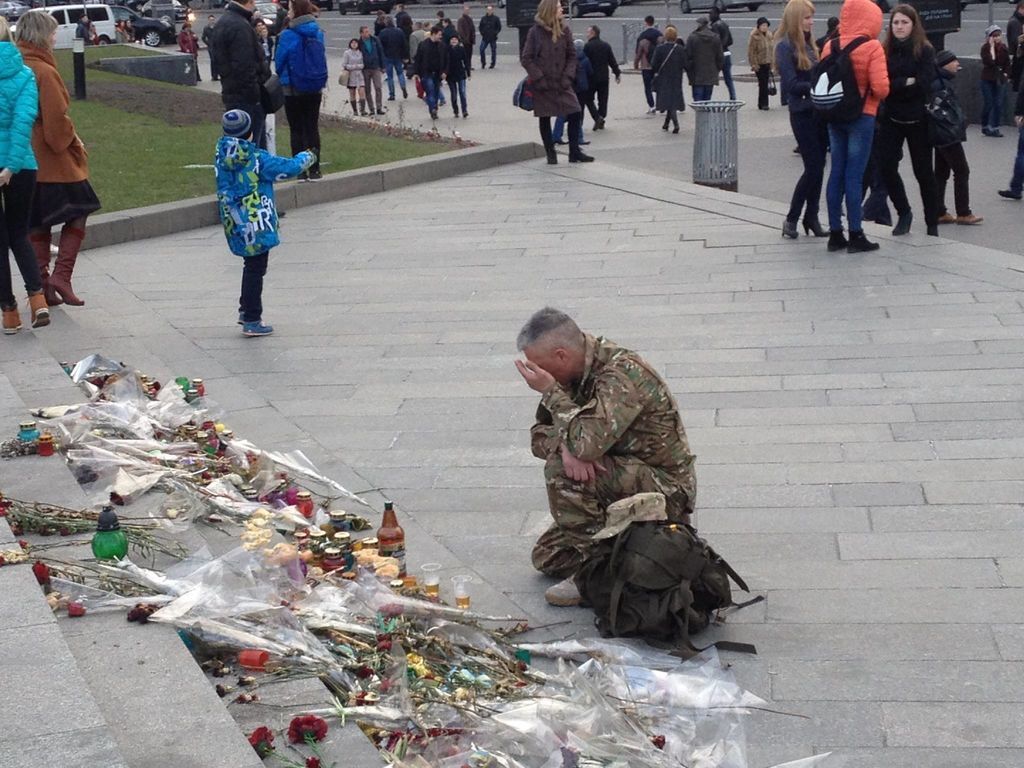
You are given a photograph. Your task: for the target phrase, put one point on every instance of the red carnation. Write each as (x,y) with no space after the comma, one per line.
(41,572)
(658,741)
(307,728)
(262,740)
(312,762)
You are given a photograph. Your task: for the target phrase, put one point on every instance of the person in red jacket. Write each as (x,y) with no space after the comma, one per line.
(189,43)
(850,143)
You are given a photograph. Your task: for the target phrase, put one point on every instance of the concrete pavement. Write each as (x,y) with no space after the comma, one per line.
(857,420)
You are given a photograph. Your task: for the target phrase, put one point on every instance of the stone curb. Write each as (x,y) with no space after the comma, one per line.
(181,215)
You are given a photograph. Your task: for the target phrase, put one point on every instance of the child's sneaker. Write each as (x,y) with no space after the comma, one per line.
(256,328)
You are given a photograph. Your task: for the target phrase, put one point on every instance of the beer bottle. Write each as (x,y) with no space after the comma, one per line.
(392,537)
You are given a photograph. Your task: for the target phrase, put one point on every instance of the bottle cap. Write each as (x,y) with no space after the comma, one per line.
(107,520)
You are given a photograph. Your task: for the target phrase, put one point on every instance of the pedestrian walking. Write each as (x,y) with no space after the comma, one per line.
(19,105)
(995,74)
(720,28)
(1016,188)
(549,58)
(403,20)
(467,33)
(795,57)
(850,142)
(242,64)
(301,63)
(602,59)
(704,59)
(1014,40)
(352,77)
(582,87)
(668,67)
(457,73)
(910,62)
(373,68)
(395,47)
(646,42)
(431,67)
(759,56)
(948,131)
(62,194)
(207,38)
(245,200)
(490,28)
(189,43)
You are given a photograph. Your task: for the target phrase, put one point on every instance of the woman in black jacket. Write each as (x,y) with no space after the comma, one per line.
(795,57)
(911,64)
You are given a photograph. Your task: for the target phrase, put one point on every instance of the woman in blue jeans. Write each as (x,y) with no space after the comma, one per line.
(795,57)
(995,73)
(850,143)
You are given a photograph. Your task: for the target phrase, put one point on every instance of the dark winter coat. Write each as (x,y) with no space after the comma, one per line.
(551,67)
(584,71)
(704,56)
(721,29)
(669,63)
(373,54)
(404,22)
(490,26)
(795,83)
(905,103)
(602,58)
(241,61)
(458,63)
(995,70)
(431,59)
(394,43)
(1014,28)
(467,30)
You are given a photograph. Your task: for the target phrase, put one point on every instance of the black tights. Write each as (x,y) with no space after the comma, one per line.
(890,138)
(16,197)
(574,121)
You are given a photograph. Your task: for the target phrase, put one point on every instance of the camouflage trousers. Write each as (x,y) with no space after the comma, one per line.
(578,508)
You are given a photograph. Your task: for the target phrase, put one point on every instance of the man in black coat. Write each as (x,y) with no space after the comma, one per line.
(207,39)
(602,58)
(243,67)
(431,66)
(395,47)
(490,27)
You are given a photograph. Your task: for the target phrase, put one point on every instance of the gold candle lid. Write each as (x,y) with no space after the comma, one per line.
(343,538)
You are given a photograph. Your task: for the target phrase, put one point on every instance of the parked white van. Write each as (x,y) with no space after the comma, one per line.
(67,17)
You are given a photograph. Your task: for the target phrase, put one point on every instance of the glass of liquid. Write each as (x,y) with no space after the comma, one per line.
(431,579)
(460,585)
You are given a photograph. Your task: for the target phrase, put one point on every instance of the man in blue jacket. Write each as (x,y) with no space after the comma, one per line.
(395,46)
(373,64)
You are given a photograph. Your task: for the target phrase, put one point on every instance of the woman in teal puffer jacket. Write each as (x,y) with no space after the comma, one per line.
(19,104)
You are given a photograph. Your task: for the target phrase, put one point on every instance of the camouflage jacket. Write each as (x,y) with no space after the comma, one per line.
(619,407)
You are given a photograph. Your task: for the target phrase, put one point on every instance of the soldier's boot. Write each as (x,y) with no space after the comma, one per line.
(563,594)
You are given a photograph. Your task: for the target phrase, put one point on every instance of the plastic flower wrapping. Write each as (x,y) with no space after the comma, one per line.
(429,684)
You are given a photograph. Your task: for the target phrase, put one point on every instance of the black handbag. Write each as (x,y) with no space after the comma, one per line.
(271,95)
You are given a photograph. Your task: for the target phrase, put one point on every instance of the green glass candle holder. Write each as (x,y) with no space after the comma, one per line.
(109,542)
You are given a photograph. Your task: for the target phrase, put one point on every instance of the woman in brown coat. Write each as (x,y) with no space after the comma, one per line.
(549,59)
(63,194)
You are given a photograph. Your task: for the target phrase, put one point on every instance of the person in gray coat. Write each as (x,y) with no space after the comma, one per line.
(549,58)
(668,65)
(703,59)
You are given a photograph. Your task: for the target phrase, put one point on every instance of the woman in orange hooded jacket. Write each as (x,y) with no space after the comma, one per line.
(850,143)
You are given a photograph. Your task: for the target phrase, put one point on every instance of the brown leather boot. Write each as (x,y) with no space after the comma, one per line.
(67,254)
(40,312)
(11,321)
(41,245)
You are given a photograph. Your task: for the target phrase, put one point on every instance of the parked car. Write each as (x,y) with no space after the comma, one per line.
(324,5)
(67,16)
(12,10)
(689,6)
(365,6)
(582,7)
(152,32)
(273,15)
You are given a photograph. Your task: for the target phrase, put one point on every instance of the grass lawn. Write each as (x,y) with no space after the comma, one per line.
(142,134)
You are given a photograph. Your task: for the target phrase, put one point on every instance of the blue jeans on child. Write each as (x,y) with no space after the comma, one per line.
(992,94)
(850,144)
(390,67)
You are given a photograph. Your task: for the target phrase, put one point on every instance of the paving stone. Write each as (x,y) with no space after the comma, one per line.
(956,726)
(23,603)
(929,545)
(82,748)
(877,494)
(1011,571)
(900,605)
(951,517)
(805,520)
(925,757)
(1010,639)
(1005,492)
(773,573)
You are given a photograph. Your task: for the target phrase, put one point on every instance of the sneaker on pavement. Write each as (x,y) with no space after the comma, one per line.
(564,594)
(256,329)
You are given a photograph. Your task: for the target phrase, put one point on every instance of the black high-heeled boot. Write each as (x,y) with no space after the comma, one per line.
(859,243)
(552,156)
(811,224)
(903,223)
(836,240)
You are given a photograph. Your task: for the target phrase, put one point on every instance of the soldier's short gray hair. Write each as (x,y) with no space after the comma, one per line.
(551,325)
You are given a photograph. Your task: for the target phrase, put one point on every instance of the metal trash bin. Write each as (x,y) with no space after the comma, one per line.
(716,144)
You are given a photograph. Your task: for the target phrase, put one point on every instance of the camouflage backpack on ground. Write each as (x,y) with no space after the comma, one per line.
(659,581)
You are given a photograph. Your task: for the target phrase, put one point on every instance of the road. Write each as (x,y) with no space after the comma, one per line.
(340,29)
